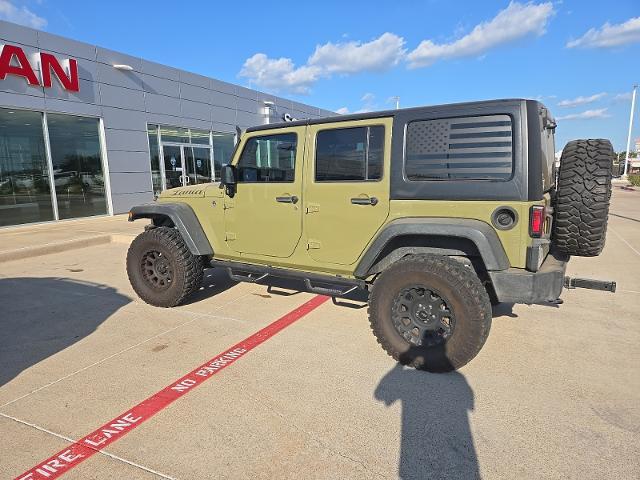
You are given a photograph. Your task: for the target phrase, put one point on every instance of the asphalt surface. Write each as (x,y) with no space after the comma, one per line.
(555,393)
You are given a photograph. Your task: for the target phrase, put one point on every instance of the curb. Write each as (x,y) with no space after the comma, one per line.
(46,249)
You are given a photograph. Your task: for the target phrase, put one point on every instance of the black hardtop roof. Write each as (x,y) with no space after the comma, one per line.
(439,109)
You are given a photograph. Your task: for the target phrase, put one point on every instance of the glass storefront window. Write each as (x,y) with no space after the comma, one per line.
(185,156)
(174,134)
(25,194)
(200,136)
(223,147)
(173,171)
(77,165)
(154,153)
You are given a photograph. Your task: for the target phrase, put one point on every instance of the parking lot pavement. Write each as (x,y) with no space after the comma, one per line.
(553,394)
(28,241)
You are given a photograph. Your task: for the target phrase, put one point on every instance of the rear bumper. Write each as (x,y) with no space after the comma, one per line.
(520,286)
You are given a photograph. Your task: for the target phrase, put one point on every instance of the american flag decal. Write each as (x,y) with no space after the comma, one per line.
(476,148)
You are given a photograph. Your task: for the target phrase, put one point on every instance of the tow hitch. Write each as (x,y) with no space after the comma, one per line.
(571,283)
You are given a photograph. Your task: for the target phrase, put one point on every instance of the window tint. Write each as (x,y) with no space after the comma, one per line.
(270,158)
(376,153)
(349,154)
(468,148)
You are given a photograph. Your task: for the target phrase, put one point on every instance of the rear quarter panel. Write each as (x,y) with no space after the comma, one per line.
(514,241)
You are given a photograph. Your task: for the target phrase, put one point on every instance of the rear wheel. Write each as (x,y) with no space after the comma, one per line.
(430,312)
(582,198)
(161,269)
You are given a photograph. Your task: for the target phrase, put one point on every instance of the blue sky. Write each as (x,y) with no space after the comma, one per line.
(580,58)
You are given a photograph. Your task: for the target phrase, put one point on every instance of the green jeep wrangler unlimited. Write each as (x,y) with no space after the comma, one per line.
(437,211)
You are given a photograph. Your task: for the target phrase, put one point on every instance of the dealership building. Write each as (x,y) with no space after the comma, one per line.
(88,131)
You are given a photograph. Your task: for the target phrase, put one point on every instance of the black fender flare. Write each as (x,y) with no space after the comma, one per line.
(183,218)
(483,236)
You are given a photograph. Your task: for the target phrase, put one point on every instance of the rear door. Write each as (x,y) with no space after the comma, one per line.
(346,188)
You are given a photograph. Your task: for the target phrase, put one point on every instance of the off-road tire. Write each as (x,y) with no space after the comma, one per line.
(468,301)
(582,197)
(187,268)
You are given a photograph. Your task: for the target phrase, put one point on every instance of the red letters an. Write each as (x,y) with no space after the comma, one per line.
(70,82)
(23,70)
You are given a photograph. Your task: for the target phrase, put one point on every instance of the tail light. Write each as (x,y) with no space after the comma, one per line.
(536,221)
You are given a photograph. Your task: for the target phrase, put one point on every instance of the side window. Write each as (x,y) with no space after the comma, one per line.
(349,154)
(269,158)
(465,148)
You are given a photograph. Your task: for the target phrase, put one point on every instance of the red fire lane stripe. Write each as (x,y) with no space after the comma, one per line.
(66,459)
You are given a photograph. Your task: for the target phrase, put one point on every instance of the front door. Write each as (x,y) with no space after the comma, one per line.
(346,188)
(264,217)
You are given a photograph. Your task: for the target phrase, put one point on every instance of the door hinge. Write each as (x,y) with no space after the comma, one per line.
(313,207)
(230,236)
(313,244)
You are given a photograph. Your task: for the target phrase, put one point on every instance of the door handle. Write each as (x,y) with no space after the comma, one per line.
(287,199)
(364,201)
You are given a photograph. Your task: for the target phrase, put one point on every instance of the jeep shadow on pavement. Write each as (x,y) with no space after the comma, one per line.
(439,212)
(61,312)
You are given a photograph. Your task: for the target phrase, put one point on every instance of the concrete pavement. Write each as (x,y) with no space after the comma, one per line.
(553,394)
(34,240)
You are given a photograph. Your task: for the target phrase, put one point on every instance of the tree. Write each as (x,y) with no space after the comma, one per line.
(623,155)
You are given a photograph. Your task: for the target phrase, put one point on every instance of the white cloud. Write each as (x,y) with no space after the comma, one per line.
(574,102)
(21,15)
(368,105)
(380,54)
(279,74)
(609,35)
(516,21)
(331,58)
(368,98)
(542,98)
(622,97)
(587,114)
(388,50)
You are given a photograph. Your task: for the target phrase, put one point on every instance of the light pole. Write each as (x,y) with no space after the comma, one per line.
(633,106)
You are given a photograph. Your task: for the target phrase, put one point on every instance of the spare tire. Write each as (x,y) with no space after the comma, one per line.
(581,206)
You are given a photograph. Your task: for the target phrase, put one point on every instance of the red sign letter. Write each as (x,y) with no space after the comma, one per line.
(49,62)
(23,70)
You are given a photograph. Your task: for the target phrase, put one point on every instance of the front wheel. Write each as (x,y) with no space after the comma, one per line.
(430,312)
(162,270)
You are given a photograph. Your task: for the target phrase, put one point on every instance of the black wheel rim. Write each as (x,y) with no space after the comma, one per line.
(422,316)
(156,269)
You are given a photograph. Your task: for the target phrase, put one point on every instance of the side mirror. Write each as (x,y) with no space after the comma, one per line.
(228,175)
(228,179)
